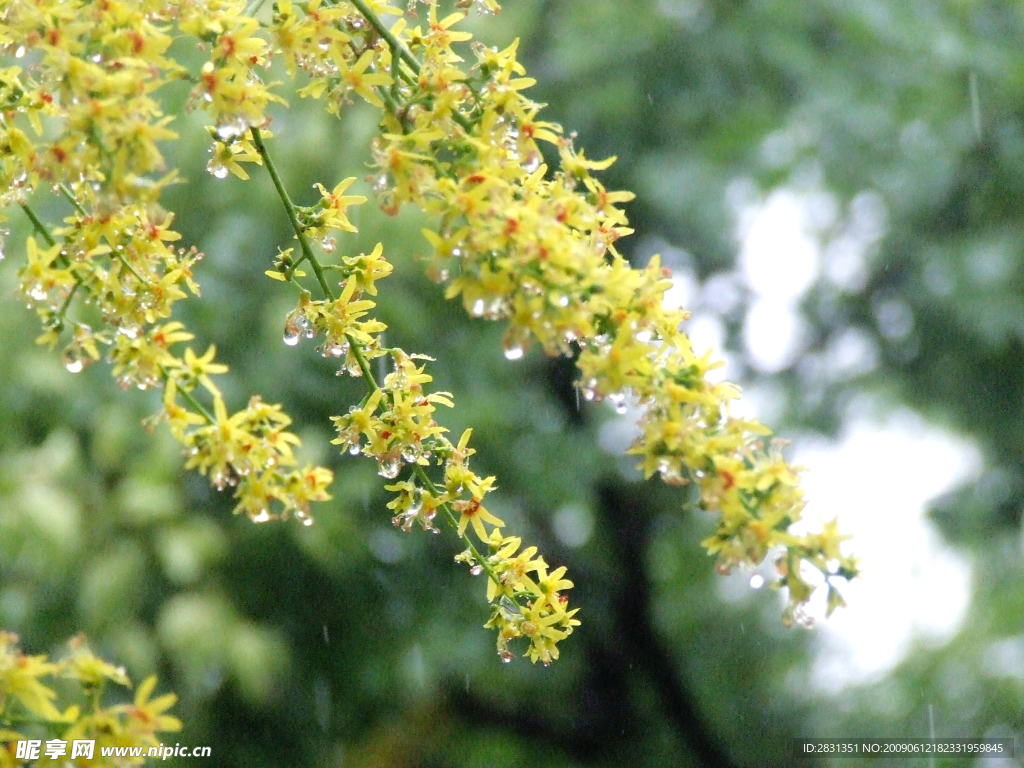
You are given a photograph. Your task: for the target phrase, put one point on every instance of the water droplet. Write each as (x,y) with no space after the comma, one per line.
(328,244)
(73,364)
(477,569)
(354,449)
(20,53)
(292,331)
(506,656)
(495,309)
(307,521)
(231,129)
(618,401)
(478,308)
(410,453)
(336,350)
(217,168)
(757,581)
(261,517)
(514,352)
(388,467)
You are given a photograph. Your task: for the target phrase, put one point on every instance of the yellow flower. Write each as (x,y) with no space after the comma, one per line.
(19,677)
(333,205)
(357,79)
(148,715)
(473,512)
(83,665)
(198,369)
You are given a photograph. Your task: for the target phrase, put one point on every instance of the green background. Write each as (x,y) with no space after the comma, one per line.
(350,643)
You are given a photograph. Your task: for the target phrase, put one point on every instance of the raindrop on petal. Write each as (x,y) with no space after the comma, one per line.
(389,467)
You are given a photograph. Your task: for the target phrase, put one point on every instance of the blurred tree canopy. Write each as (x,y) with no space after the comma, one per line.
(898,125)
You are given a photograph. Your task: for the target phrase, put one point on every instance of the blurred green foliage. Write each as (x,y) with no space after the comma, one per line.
(350,643)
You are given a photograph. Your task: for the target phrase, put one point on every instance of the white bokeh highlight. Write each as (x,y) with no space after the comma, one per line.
(878,478)
(778,261)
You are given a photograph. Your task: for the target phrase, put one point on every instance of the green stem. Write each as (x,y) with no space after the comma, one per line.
(446,508)
(354,347)
(130,268)
(293,215)
(403,51)
(364,364)
(396,67)
(41,228)
(67,303)
(64,190)
(187,396)
(394,109)
(190,399)
(383,31)
(253,7)
(38,225)
(307,251)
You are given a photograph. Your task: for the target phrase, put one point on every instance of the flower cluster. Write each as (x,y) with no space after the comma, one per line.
(520,241)
(394,424)
(228,87)
(28,706)
(516,238)
(82,117)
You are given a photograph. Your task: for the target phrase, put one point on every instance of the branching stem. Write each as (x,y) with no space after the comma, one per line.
(357,352)
(293,215)
(446,508)
(38,225)
(189,398)
(397,46)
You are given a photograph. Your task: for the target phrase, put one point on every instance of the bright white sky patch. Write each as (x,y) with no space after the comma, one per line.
(779,262)
(878,479)
(778,257)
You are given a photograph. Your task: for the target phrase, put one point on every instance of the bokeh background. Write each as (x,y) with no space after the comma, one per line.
(839,190)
